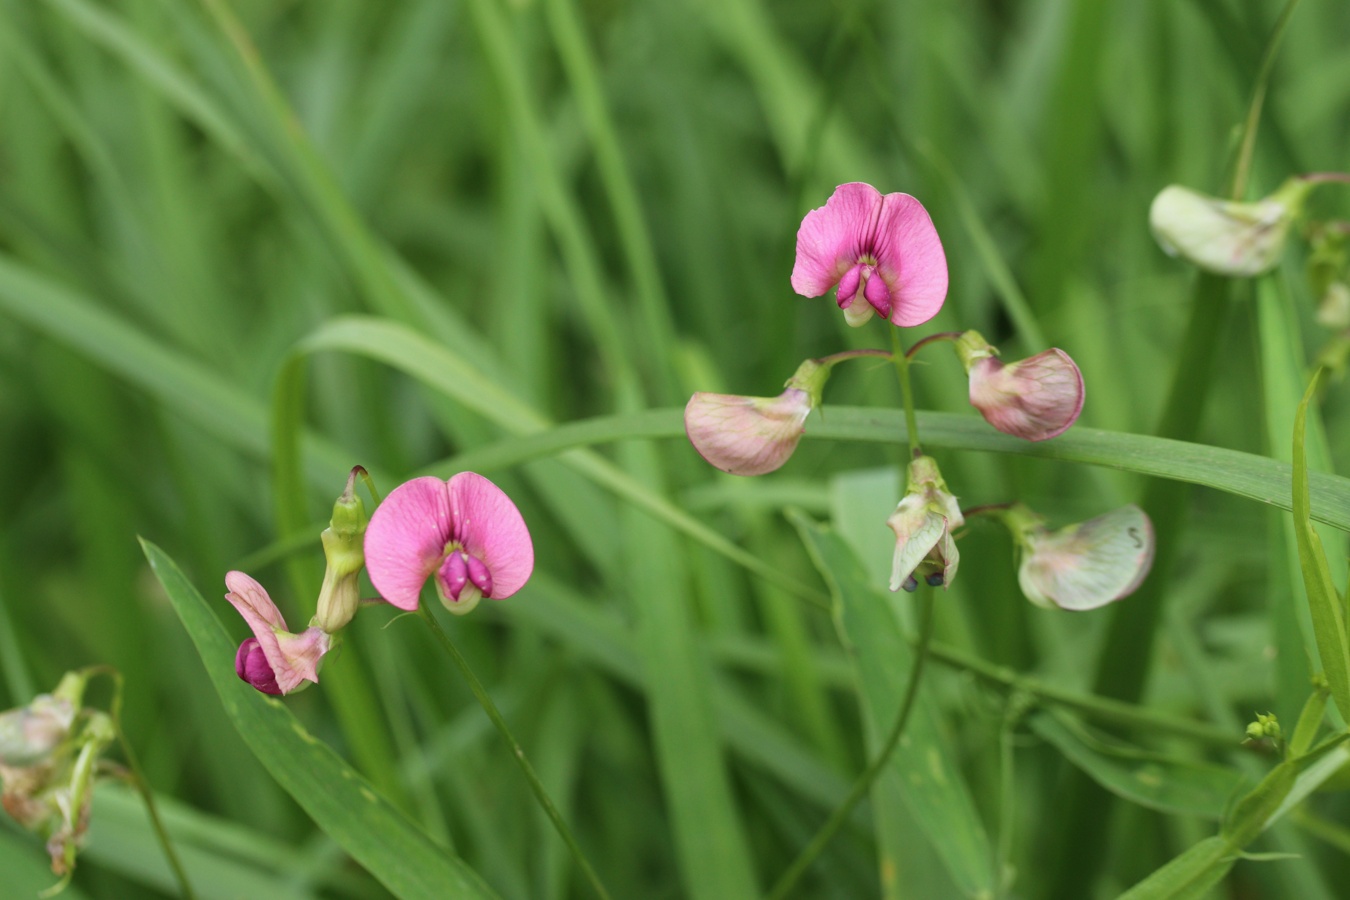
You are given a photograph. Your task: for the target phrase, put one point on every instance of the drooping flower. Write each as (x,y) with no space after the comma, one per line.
(754,435)
(1086,565)
(1035,399)
(274,660)
(879,249)
(465,531)
(923,523)
(1226,237)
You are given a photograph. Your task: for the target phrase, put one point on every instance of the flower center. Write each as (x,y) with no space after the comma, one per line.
(462,579)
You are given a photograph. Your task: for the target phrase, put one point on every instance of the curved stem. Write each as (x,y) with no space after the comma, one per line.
(985,509)
(535,784)
(142,786)
(1323,177)
(360,472)
(864,782)
(843,355)
(933,339)
(906,393)
(1244,161)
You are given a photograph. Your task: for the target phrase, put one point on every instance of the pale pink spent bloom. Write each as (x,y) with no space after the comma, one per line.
(1035,399)
(291,658)
(31,733)
(746,435)
(1223,236)
(923,523)
(465,531)
(1087,565)
(881,249)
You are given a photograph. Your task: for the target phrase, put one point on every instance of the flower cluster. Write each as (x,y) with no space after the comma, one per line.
(465,531)
(881,255)
(50,758)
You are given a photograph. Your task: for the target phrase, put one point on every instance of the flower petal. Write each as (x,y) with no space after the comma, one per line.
(832,237)
(917,531)
(1035,399)
(1219,236)
(747,435)
(490,527)
(299,657)
(246,593)
(1090,564)
(251,665)
(406,537)
(910,260)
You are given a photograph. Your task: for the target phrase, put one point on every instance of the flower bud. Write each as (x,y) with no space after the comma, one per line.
(1226,237)
(1035,399)
(344,550)
(1265,726)
(923,522)
(1086,565)
(754,435)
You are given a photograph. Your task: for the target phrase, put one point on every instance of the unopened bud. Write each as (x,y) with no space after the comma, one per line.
(344,550)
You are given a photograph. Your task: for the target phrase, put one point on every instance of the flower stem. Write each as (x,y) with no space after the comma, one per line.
(1323,177)
(142,786)
(864,782)
(360,472)
(985,509)
(1244,161)
(843,355)
(906,393)
(535,784)
(933,339)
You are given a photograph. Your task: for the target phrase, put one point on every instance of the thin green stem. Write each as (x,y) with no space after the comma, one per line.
(843,355)
(138,781)
(535,784)
(1242,169)
(985,509)
(932,339)
(1324,177)
(906,392)
(361,473)
(1090,706)
(864,782)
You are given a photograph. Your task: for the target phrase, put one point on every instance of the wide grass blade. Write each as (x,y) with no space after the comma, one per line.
(340,801)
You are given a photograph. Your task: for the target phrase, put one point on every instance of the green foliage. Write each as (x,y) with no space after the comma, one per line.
(245,246)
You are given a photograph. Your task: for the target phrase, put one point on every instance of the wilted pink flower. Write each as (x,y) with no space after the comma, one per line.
(1036,399)
(884,248)
(746,435)
(465,531)
(923,523)
(1087,565)
(274,661)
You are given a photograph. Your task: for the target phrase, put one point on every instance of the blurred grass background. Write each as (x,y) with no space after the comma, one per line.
(594,205)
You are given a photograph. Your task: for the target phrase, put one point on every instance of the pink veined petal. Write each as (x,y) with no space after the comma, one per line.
(1090,564)
(910,259)
(1035,399)
(490,527)
(832,237)
(406,538)
(747,435)
(245,592)
(299,657)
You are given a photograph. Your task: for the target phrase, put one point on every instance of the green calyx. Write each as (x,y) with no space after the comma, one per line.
(810,378)
(971,347)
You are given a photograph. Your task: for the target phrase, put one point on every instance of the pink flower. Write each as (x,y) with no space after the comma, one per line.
(274,661)
(885,248)
(465,531)
(1087,565)
(746,435)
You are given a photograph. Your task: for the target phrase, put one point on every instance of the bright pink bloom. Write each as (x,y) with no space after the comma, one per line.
(746,435)
(465,531)
(1035,399)
(291,658)
(885,248)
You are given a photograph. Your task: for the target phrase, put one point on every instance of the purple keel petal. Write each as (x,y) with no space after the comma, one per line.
(832,237)
(405,541)
(490,527)
(910,259)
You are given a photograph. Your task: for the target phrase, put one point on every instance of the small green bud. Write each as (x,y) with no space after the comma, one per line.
(1265,726)
(344,549)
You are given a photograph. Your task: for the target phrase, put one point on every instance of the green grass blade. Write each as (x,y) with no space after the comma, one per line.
(1324,601)
(340,801)
(922,770)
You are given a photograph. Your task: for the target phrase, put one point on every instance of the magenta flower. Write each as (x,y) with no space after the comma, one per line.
(465,531)
(274,661)
(882,247)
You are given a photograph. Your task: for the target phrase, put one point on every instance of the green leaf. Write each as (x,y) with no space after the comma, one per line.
(1189,875)
(1158,782)
(340,801)
(922,773)
(1328,617)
